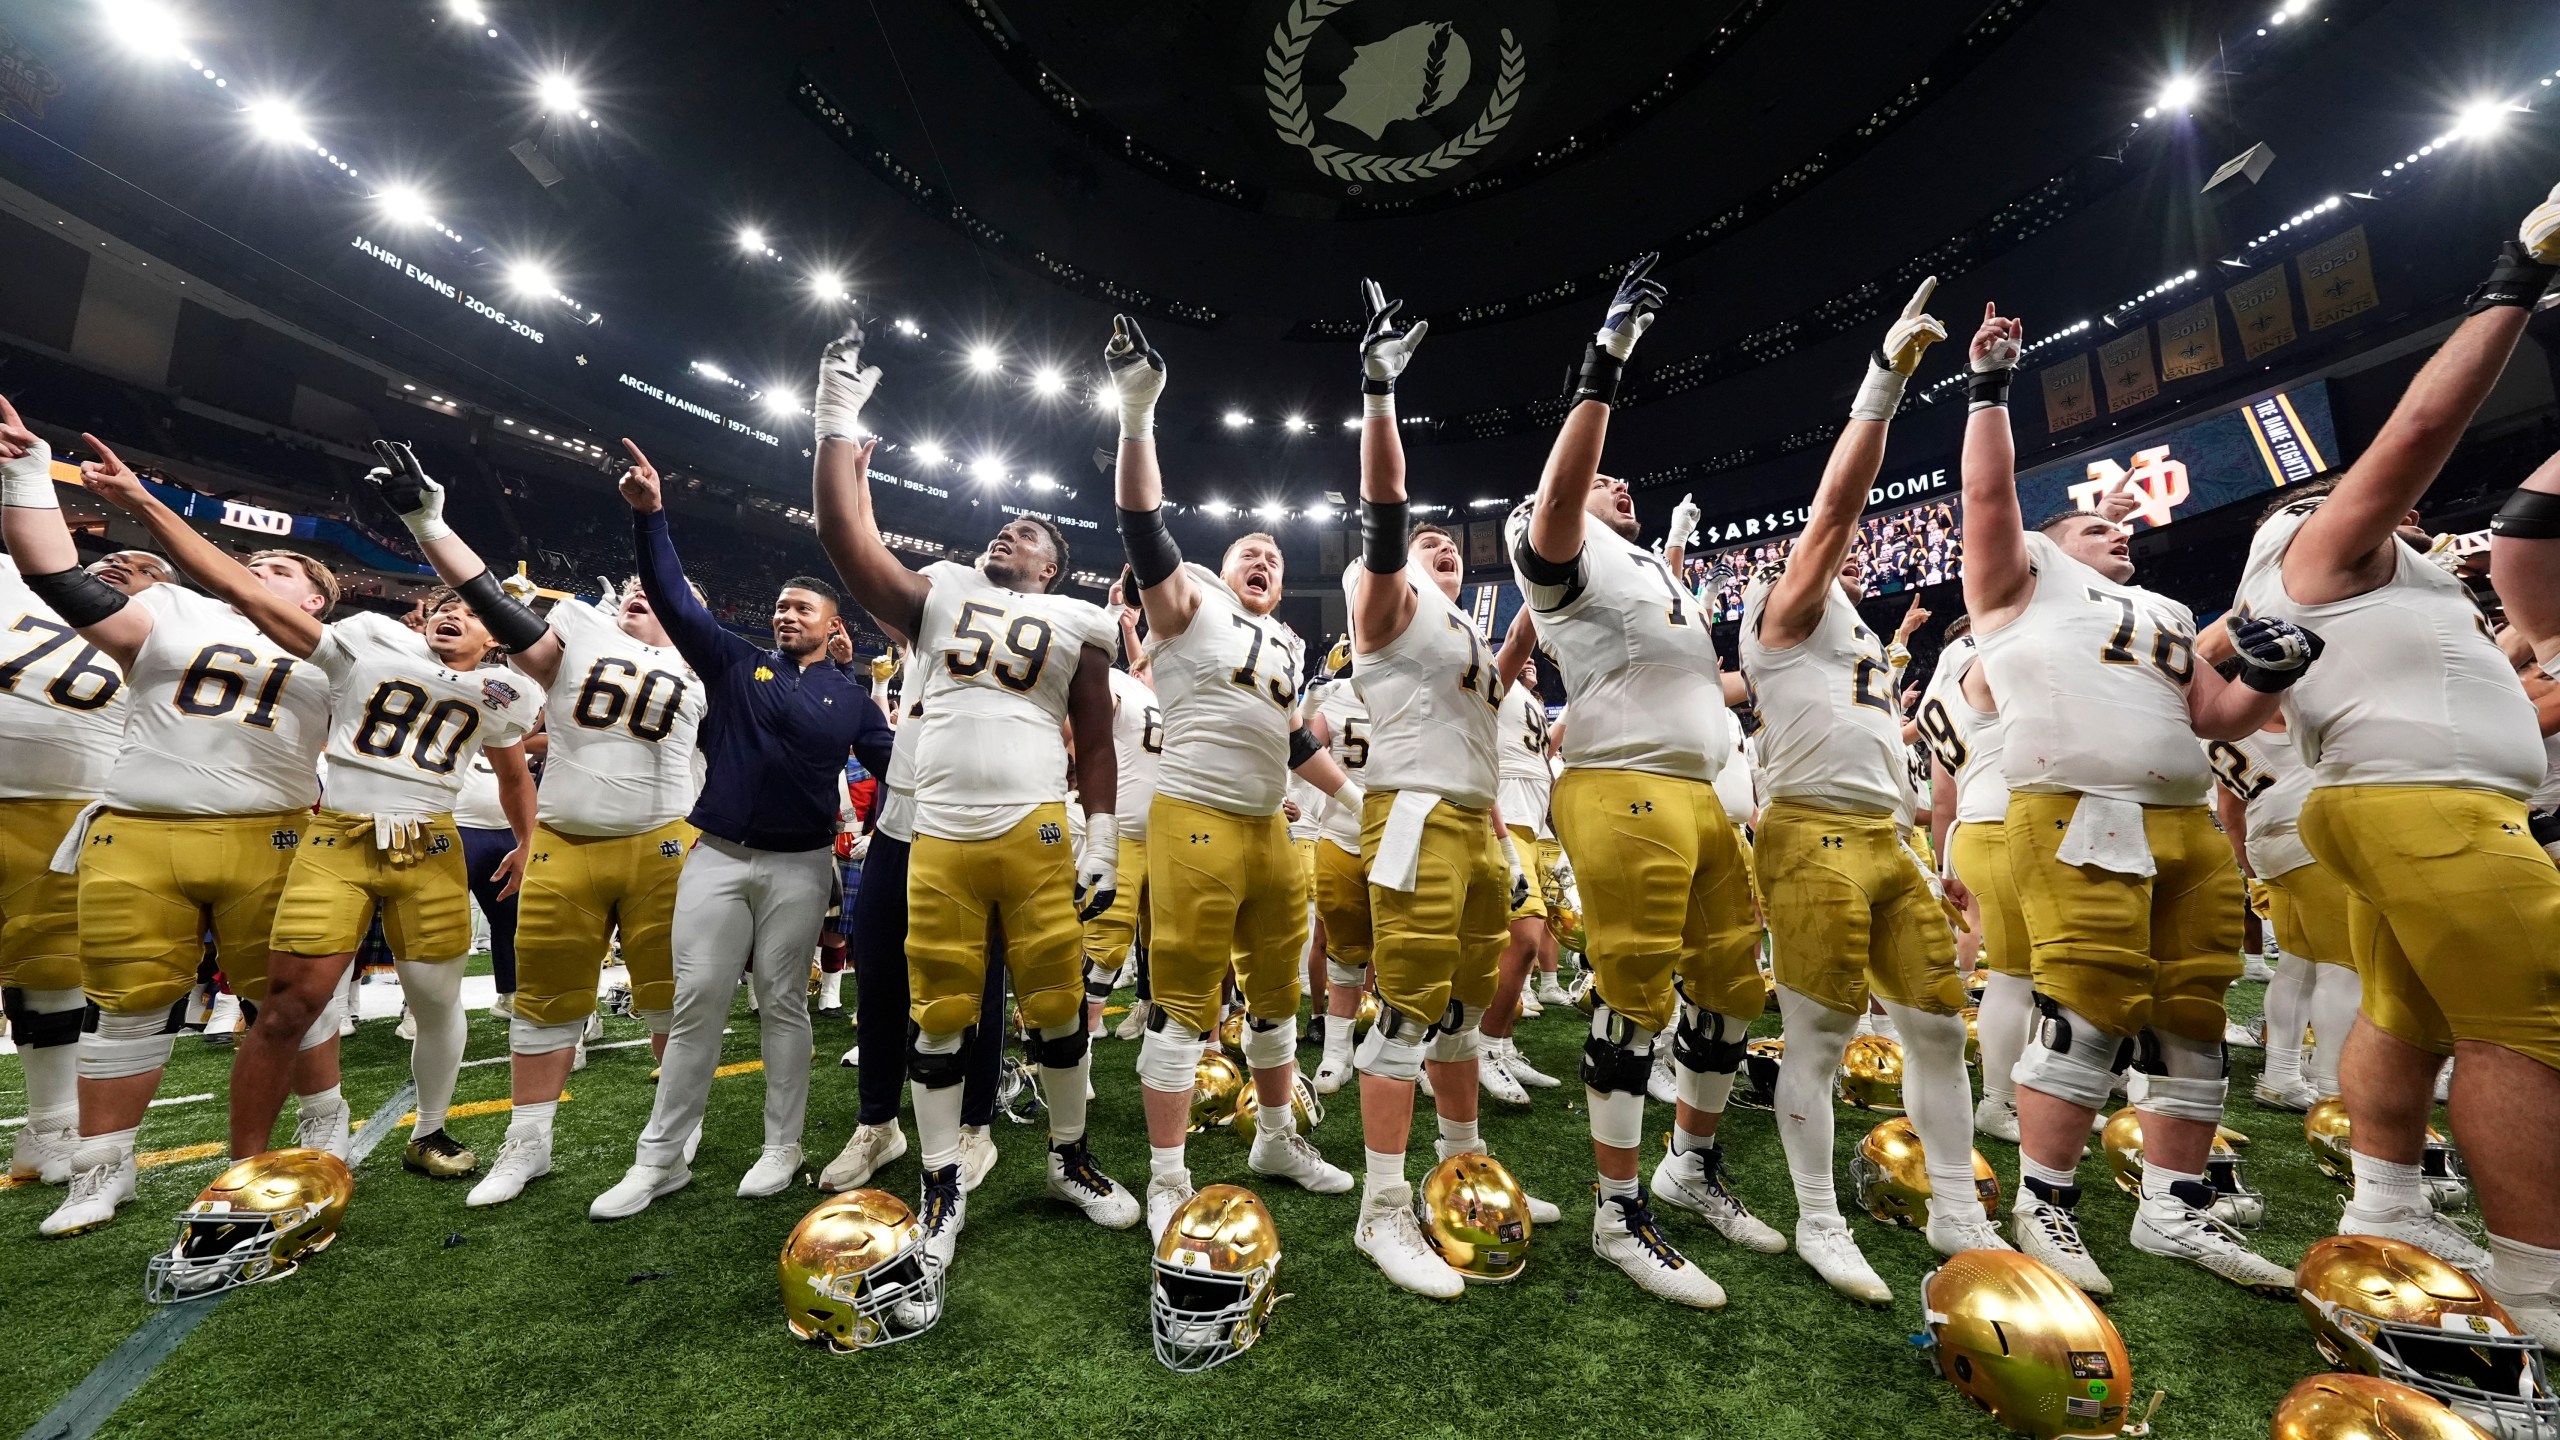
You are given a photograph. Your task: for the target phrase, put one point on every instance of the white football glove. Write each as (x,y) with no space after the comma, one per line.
(521,588)
(1890,368)
(1684,522)
(2541,229)
(1384,350)
(397,834)
(26,483)
(1632,308)
(416,499)
(1137,377)
(1098,872)
(844,387)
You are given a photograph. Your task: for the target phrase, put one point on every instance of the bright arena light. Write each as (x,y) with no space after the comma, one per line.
(2480,120)
(469,10)
(405,204)
(2180,93)
(277,121)
(1043,482)
(527,277)
(985,360)
(1237,419)
(1271,510)
(1049,381)
(144,27)
(558,93)
(929,453)
(829,287)
(1218,508)
(1296,422)
(751,240)
(987,470)
(779,404)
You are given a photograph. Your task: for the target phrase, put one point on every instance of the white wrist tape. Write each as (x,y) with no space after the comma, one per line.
(1880,395)
(26,483)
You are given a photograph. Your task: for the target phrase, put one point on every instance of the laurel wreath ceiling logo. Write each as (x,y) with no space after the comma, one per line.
(1284,87)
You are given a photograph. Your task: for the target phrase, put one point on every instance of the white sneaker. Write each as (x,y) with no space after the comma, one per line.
(1074,1178)
(1997,1118)
(1663,1087)
(851,1059)
(1293,1157)
(772,1173)
(1521,1070)
(2241,1037)
(408,1025)
(2048,1232)
(503,1008)
(43,1151)
(1623,1233)
(323,1126)
(1827,1246)
(346,1023)
(2535,1315)
(1497,1081)
(1133,1025)
(1550,992)
(693,1143)
(1333,1072)
(944,1210)
(638,1186)
(1166,1194)
(1968,1229)
(1390,1235)
(2444,1083)
(1530,1006)
(2420,1227)
(870,1147)
(595,1026)
(2298,1097)
(222,1022)
(977,1155)
(95,1194)
(522,1159)
(578,1057)
(2182,1232)
(2255,967)
(1694,1182)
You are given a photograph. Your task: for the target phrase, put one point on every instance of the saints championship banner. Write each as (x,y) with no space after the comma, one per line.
(2190,341)
(2068,400)
(2337,279)
(2262,306)
(2125,361)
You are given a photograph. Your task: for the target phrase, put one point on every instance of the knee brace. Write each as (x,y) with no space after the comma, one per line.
(1337,973)
(2071,1059)
(2188,1079)
(1269,1044)
(937,1062)
(43,1019)
(658,1021)
(1169,1057)
(1709,1043)
(1059,1047)
(1098,981)
(325,1025)
(1392,1050)
(115,1044)
(1455,1037)
(1618,1058)
(532,1037)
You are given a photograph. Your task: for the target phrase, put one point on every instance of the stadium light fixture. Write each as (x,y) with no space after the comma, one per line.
(1296,423)
(779,404)
(144,27)
(1237,419)
(1272,511)
(1043,481)
(1049,382)
(528,277)
(2179,93)
(2480,119)
(929,453)
(908,328)
(277,121)
(558,93)
(1219,508)
(405,205)
(1350,422)
(987,470)
(469,10)
(1320,513)
(985,359)
(751,240)
(828,286)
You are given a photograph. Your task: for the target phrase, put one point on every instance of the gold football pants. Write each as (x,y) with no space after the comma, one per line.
(1979,850)
(152,885)
(339,876)
(1665,892)
(39,908)
(1442,939)
(1851,911)
(1223,889)
(961,893)
(2131,951)
(579,890)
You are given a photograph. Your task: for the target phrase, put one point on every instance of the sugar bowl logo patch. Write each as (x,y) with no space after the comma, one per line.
(1414,73)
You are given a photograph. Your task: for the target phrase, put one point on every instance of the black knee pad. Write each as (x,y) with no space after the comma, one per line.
(1063,1053)
(1701,1046)
(2053,1031)
(1609,1065)
(938,1072)
(1139,949)
(31,1029)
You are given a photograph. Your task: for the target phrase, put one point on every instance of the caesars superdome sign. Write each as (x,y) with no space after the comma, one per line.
(1385,92)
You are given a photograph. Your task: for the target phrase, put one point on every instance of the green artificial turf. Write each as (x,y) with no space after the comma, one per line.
(528,1320)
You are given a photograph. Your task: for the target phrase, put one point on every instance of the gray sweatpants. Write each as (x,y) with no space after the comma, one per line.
(733,903)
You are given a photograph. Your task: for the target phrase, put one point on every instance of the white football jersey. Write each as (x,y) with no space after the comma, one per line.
(1637,660)
(2547,795)
(1227,684)
(625,716)
(1137,743)
(897,816)
(477,805)
(1833,736)
(2265,774)
(1347,720)
(1965,740)
(1525,780)
(401,725)
(2410,689)
(1733,782)
(997,665)
(62,703)
(223,720)
(1435,703)
(2091,679)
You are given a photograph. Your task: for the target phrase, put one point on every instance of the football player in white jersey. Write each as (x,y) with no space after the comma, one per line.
(1341,880)
(408,710)
(610,835)
(209,796)
(2131,897)
(1137,742)
(1439,890)
(1522,784)
(1225,887)
(1666,894)
(62,711)
(1008,667)
(1852,912)
(2423,749)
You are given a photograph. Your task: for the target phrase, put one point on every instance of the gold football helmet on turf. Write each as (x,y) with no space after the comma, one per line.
(2234,1203)
(1871,1074)
(257,1221)
(2025,1344)
(2389,1308)
(1890,1176)
(1476,1216)
(1245,1117)
(1365,1016)
(1759,1074)
(2439,1164)
(1214,1085)
(1216,1275)
(2361,1407)
(1231,1032)
(854,1273)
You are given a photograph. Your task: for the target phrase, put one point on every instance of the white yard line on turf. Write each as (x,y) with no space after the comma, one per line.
(156,1104)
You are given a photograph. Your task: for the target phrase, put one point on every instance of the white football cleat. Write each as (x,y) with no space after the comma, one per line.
(1520,1069)
(43,1151)
(2255,967)
(2537,1316)
(1623,1233)
(977,1155)
(869,1148)
(322,1125)
(1663,1086)
(1166,1194)
(1694,1182)
(772,1173)
(1390,1235)
(1827,1246)
(638,1186)
(1530,1006)
(1074,1178)
(1550,992)
(1133,1025)
(408,1027)
(2049,1232)
(1332,1073)
(2180,1231)
(2423,1228)
(1997,1118)
(1497,1082)
(944,1212)
(522,1159)
(95,1194)
(222,1022)
(1968,1229)
(2298,1097)
(1292,1157)
(2242,1037)
(1424,1083)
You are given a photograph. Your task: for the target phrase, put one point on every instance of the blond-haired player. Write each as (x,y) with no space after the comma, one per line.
(205,805)
(609,838)
(1225,887)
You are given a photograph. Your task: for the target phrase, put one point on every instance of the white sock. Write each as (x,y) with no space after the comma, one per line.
(1165,1161)
(1612,1189)
(2288,1001)
(2006,1019)
(1063,1087)
(2156,1180)
(332,1098)
(1458,1135)
(1337,1038)
(1939,1099)
(1817,1036)
(1689,1142)
(434,993)
(96,1150)
(2519,1271)
(2386,1185)
(2029,1168)
(2335,993)
(1277,1122)
(533,1117)
(1382,1175)
(830,989)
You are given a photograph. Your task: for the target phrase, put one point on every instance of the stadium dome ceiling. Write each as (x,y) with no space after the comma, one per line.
(1007,173)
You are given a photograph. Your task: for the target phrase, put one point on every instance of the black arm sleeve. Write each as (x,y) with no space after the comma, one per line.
(2528,515)
(1153,557)
(511,624)
(1302,747)
(1537,569)
(80,598)
(1382,535)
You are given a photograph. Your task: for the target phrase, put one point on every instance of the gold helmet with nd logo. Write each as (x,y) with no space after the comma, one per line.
(2388,1308)
(1477,1216)
(854,1274)
(1216,1279)
(2027,1345)
(1889,1173)
(257,1221)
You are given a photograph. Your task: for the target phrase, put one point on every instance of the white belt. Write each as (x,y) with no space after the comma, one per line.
(2108,834)
(66,856)
(1399,857)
